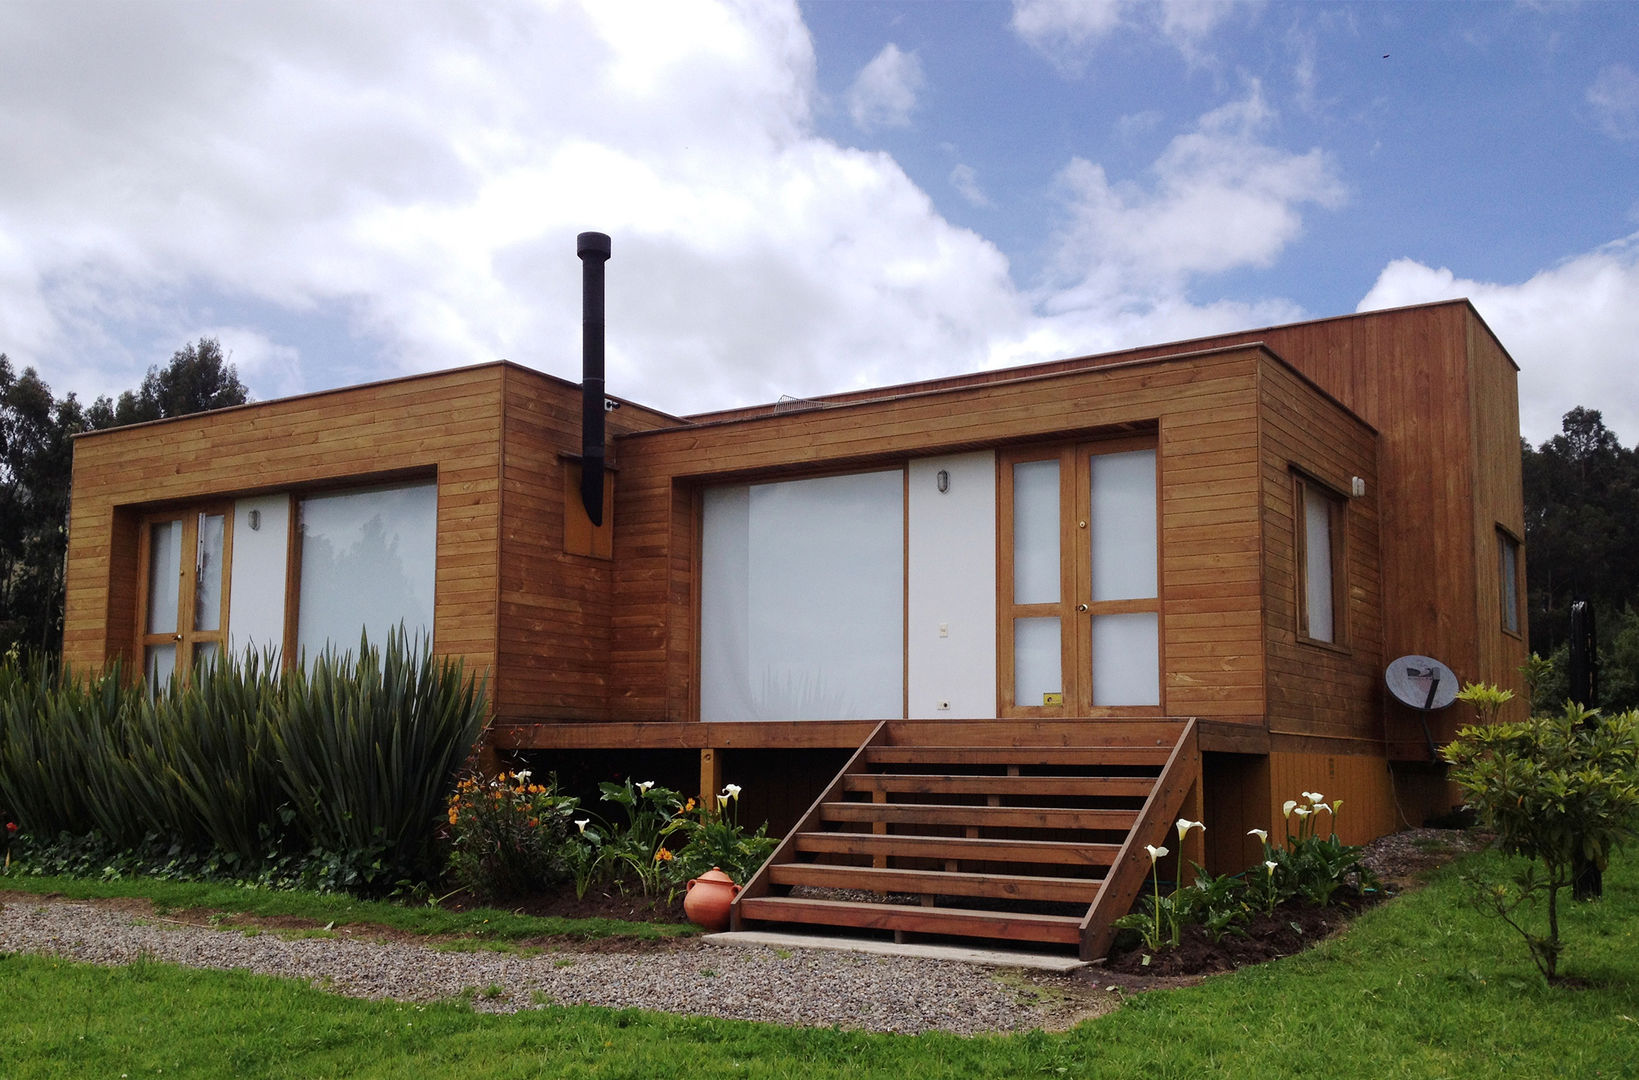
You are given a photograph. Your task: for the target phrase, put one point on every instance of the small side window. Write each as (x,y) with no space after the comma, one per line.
(1322,589)
(1508,579)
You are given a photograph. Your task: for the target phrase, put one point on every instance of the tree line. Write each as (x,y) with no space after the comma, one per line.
(1581,508)
(37,432)
(1581,518)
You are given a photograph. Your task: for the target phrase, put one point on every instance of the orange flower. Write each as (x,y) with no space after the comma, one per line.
(688,807)
(454,816)
(663,856)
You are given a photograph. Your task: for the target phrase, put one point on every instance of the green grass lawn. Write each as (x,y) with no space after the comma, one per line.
(1422,987)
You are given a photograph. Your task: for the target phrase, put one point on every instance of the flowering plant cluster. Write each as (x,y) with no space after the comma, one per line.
(512,835)
(507,834)
(1308,868)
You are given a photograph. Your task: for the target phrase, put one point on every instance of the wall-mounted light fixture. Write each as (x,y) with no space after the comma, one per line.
(943,479)
(255,520)
(1357,486)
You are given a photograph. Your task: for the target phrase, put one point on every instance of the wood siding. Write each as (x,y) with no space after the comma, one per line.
(1442,393)
(1314,689)
(446,425)
(554,608)
(1206,412)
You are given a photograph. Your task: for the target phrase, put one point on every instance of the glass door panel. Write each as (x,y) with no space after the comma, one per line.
(213,534)
(1080,606)
(1036,524)
(164,575)
(184,595)
(1037,661)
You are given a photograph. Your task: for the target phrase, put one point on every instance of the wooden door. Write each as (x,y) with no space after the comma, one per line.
(1077,581)
(184,617)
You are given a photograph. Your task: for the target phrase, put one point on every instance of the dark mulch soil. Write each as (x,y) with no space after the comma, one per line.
(1289,930)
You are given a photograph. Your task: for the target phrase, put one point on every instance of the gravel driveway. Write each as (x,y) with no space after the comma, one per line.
(810,987)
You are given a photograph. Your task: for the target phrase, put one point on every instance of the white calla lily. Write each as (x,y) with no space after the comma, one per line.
(1261,834)
(1185,825)
(1155,852)
(1290,805)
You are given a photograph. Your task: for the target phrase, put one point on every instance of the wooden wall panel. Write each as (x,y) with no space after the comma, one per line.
(1442,394)
(1362,781)
(1316,690)
(446,424)
(1497,501)
(1205,415)
(555,609)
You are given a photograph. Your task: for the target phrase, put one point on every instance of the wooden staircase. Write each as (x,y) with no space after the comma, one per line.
(1015,831)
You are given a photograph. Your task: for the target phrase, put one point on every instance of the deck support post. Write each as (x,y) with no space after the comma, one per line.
(711,776)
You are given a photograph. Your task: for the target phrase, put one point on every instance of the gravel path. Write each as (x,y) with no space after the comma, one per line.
(806,987)
(800,987)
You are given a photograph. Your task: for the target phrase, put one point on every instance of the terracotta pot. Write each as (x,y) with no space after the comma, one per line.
(708,900)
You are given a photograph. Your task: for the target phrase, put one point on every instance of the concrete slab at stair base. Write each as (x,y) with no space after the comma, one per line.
(956,953)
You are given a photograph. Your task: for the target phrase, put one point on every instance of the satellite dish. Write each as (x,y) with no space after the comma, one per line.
(1421,682)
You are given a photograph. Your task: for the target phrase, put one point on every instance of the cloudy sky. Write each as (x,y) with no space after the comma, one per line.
(807,197)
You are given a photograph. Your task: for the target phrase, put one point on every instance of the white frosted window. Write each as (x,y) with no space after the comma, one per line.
(1123,525)
(1036,532)
(164,576)
(208,576)
(1317,564)
(1126,659)
(367,565)
(1037,660)
(802,599)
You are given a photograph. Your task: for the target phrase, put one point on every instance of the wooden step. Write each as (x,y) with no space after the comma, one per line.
(977,849)
(1058,929)
(1134,787)
(1017,755)
(983,817)
(937,882)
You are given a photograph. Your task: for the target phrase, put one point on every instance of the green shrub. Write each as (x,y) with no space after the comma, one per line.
(338,775)
(368,746)
(1554,788)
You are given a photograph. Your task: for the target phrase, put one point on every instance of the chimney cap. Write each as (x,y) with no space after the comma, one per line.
(592,243)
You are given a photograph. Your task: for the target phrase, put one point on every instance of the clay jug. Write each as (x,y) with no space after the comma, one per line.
(708,900)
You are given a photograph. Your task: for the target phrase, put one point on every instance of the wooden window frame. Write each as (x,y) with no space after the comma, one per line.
(1507,541)
(1338,526)
(184,636)
(1075,609)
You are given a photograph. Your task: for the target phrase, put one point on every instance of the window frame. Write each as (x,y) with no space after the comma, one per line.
(1338,529)
(1509,544)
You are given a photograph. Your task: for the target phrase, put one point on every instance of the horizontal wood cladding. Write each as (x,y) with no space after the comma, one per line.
(1204,412)
(446,425)
(555,609)
(1315,689)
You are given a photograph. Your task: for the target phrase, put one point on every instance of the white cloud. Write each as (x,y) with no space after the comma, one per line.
(1219,198)
(1067,32)
(418,183)
(1614,96)
(965,179)
(1570,328)
(884,92)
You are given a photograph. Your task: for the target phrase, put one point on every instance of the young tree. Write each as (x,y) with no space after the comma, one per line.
(1556,789)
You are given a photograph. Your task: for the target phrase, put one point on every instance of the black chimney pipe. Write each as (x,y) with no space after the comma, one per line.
(593,249)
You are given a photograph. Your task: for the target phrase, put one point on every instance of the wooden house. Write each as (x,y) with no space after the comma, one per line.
(979,638)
